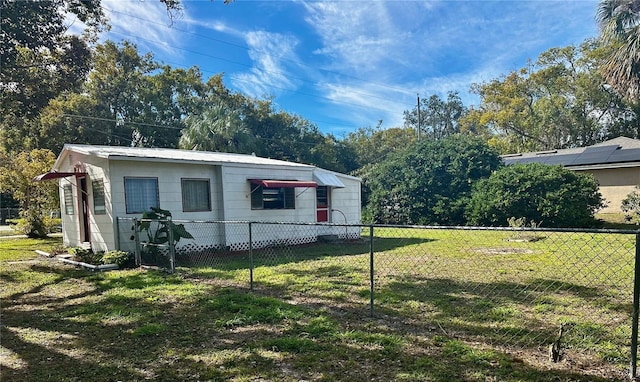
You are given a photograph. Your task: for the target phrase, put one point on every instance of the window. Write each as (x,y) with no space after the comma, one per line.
(263,198)
(68,199)
(99,206)
(322,196)
(196,195)
(140,194)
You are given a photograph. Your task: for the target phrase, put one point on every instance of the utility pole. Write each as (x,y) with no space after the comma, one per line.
(419,127)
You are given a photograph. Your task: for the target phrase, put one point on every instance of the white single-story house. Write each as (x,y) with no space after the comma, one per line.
(100,184)
(614,163)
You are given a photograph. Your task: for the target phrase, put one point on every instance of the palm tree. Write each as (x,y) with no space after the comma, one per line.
(619,22)
(217,129)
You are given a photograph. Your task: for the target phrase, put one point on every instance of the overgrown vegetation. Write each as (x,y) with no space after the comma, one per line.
(121,258)
(429,183)
(551,196)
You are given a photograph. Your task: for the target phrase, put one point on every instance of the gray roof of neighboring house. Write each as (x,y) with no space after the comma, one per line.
(616,152)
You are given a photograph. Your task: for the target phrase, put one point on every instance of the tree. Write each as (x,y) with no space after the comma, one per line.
(437,118)
(218,128)
(42,59)
(551,196)
(556,102)
(128,99)
(40,27)
(373,144)
(36,199)
(619,22)
(430,183)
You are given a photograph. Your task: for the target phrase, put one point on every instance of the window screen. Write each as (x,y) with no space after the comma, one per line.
(68,199)
(140,194)
(196,195)
(99,206)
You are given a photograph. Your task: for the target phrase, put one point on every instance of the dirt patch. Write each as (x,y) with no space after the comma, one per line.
(504,251)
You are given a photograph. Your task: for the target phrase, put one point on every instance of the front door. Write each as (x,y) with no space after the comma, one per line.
(322,204)
(83,211)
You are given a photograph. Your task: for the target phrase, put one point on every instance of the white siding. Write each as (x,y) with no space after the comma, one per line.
(101,227)
(237,206)
(230,201)
(169,177)
(345,208)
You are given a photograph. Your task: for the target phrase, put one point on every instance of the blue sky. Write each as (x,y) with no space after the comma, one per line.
(348,64)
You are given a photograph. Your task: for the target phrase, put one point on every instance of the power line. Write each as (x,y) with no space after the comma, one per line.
(119,121)
(153,125)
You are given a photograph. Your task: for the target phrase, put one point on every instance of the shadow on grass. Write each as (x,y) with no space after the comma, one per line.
(115,332)
(511,314)
(278,255)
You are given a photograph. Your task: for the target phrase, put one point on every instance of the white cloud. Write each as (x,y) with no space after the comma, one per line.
(433,47)
(270,54)
(145,23)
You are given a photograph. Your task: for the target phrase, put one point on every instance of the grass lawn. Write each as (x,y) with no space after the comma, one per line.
(450,306)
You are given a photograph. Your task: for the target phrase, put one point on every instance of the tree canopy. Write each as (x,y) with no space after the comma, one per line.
(557,102)
(429,183)
(619,22)
(435,118)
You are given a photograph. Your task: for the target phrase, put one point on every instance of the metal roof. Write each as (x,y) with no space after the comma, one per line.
(615,151)
(174,155)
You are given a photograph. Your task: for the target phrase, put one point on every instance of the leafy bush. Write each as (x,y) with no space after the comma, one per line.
(121,258)
(86,255)
(551,196)
(631,206)
(27,225)
(52,224)
(429,183)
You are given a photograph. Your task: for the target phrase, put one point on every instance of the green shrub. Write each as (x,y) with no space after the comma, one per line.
(86,255)
(52,224)
(121,258)
(550,196)
(29,225)
(631,206)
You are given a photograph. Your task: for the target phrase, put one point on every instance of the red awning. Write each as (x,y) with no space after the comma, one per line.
(56,175)
(269,183)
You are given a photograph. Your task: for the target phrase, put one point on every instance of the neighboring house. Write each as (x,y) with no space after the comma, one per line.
(615,164)
(100,184)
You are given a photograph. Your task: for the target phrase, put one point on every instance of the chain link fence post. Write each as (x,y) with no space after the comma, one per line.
(136,236)
(371,272)
(172,247)
(636,307)
(250,256)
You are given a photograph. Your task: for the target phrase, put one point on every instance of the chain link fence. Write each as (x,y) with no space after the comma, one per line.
(8,213)
(520,290)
